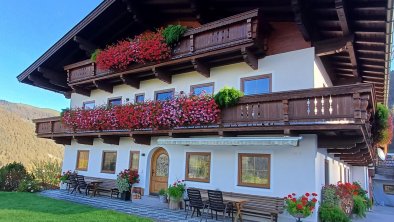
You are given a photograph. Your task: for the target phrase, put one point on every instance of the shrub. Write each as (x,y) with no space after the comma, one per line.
(360,206)
(93,57)
(227,97)
(47,173)
(382,127)
(162,192)
(28,185)
(11,176)
(173,33)
(329,195)
(329,213)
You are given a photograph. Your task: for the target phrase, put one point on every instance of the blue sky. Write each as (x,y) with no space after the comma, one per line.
(27,29)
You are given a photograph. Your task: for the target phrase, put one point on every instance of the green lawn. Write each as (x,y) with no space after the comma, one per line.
(31,207)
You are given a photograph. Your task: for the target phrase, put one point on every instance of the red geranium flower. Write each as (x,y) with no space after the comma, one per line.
(314,200)
(307,194)
(299,206)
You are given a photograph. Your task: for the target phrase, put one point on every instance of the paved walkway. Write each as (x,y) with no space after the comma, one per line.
(379,214)
(149,207)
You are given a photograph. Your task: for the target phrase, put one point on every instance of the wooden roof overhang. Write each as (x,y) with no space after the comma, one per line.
(353,38)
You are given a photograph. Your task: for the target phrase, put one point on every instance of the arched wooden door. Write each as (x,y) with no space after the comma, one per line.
(159,171)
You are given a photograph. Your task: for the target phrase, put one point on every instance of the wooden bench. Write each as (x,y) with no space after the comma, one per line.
(109,186)
(257,206)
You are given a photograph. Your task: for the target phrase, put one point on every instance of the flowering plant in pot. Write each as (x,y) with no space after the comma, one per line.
(65,176)
(125,181)
(175,192)
(302,206)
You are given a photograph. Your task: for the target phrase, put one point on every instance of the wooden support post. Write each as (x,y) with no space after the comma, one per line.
(82,91)
(130,81)
(357,107)
(191,43)
(103,86)
(141,139)
(201,68)
(250,58)
(332,46)
(160,74)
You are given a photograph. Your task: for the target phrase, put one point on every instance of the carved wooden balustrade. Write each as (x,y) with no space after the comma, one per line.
(236,33)
(341,105)
(385,167)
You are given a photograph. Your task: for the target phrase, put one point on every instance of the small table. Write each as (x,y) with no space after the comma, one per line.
(95,184)
(237,202)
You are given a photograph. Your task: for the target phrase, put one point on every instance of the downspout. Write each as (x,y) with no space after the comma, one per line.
(389,38)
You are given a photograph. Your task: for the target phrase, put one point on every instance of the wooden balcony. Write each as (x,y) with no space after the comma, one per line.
(233,39)
(385,168)
(339,115)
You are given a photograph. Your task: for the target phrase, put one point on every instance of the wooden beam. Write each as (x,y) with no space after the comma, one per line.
(62,140)
(342,15)
(160,74)
(84,140)
(80,90)
(133,10)
(342,12)
(130,81)
(54,77)
(43,82)
(67,95)
(332,46)
(85,45)
(103,86)
(301,19)
(141,139)
(250,58)
(338,141)
(201,68)
(113,140)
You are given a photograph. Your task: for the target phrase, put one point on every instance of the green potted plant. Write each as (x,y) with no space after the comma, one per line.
(163,196)
(125,181)
(228,97)
(175,193)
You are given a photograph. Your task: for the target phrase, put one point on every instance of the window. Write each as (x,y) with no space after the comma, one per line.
(256,85)
(164,94)
(139,98)
(82,160)
(109,162)
(89,105)
(254,170)
(389,189)
(134,160)
(115,102)
(206,88)
(198,167)
(327,172)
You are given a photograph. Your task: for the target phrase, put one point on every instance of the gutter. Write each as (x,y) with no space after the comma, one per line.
(388,50)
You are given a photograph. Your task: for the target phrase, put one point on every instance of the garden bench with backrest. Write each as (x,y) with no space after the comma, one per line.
(256,206)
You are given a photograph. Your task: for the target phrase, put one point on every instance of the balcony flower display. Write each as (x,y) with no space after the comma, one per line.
(181,111)
(144,48)
(300,207)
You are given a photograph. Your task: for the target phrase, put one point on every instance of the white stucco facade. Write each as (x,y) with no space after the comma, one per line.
(292,169)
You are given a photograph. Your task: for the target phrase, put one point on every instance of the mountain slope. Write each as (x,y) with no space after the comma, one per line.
(18,141)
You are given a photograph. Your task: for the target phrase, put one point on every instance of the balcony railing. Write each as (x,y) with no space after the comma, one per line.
(226,35)
(385,167)
(351,104)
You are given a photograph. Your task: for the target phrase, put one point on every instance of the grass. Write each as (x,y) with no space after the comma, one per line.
(30,207)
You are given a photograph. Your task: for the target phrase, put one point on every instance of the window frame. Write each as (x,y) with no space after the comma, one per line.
(87,102)
(138,94)
(264,76)
(134,152)
(240,183)
(172,90)
(102,161)
(188,154)
(192,87)
(77,163)
(384,189)
(114,98)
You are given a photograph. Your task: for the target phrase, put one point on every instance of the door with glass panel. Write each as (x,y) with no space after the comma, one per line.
(159,171)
